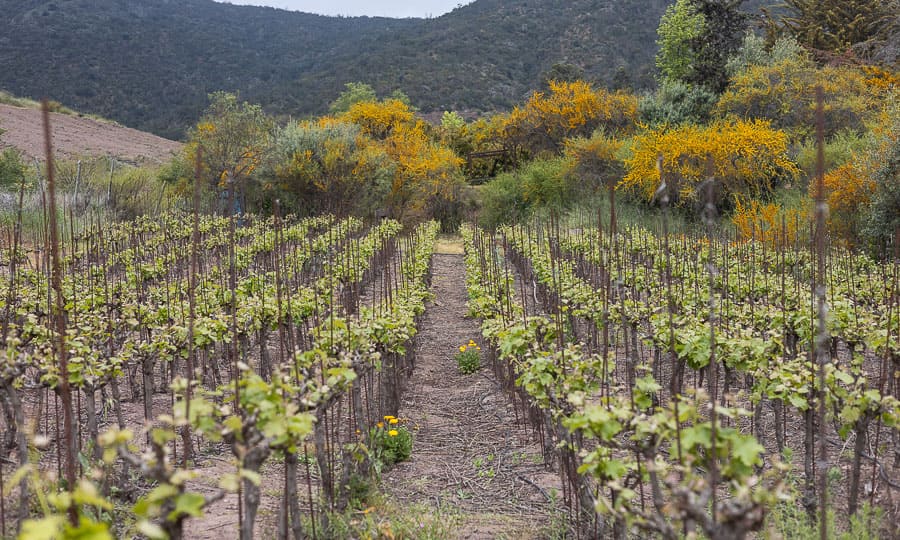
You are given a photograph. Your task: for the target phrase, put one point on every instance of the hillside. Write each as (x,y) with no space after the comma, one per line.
(150,63)
(75,137)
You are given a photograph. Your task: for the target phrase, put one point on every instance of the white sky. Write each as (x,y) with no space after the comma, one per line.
(381,8)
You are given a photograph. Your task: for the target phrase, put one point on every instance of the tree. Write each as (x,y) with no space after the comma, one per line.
(569,110)
(233,138)
(331,165)
(836,26)
(12,169)
(379,118)
(452,121)
(754,52)
(720,39)
(679,29)
(848,189)
(562,72)
(354,92)
(595,161)
(358,92)
(455,134)
(427,175)
(541,184)
(881,218)
(401,96)
(784,92)
(696,38)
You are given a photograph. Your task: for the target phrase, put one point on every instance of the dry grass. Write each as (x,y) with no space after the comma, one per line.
(449,244)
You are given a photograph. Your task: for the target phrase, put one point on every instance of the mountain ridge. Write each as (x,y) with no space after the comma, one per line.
(150,64)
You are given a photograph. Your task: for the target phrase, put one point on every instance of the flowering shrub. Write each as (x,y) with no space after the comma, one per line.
(468,359)
(391,441)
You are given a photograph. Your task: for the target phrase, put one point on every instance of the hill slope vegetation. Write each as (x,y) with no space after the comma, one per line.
(151,63)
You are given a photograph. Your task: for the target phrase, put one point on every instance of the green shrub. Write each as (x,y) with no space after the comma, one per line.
(787,520)
(882,217)
(502,201)
(539,185)
(12,168)
(676,102)
(839,150)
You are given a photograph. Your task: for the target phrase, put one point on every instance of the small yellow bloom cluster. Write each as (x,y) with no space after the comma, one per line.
(392,420)
(469,345)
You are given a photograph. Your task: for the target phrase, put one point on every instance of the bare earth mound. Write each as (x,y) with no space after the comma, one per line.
(75,137)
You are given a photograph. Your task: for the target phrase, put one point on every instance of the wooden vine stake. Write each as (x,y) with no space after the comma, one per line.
(59,319)
(822,338)
(710,217)
(192,309)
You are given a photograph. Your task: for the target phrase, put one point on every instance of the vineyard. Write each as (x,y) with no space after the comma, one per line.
(646,300)
(262,339)
(159,372)
(676,384)
(677,380)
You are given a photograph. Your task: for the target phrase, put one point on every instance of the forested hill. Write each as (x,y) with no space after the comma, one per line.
(149,64)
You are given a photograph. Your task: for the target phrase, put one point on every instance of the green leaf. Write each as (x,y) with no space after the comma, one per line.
(850,414)
(86,493)
(233,424)
(190,504)
(230,482)
(148,505)
(798,401)
(88,530)
(747,450)
(48,528)
(843,376)
(614,468)
(151,530)
(700,435)
(252,476)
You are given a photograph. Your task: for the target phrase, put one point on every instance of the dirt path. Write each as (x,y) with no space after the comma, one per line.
(470,459)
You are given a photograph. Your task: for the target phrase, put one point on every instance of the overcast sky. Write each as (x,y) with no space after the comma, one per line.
(381,8)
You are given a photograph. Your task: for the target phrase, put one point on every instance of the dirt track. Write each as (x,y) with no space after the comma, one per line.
(471,460)
(81,137)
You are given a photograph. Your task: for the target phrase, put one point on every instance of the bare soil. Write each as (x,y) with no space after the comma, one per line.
(75,137)
(471,458)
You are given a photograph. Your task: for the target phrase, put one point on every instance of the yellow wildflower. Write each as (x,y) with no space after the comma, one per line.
(388,418)
(393,421)
(462,348)
(380,425)
(393,433)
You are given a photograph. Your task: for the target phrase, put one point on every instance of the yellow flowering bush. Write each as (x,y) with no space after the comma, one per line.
(768,222)
(747,157)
